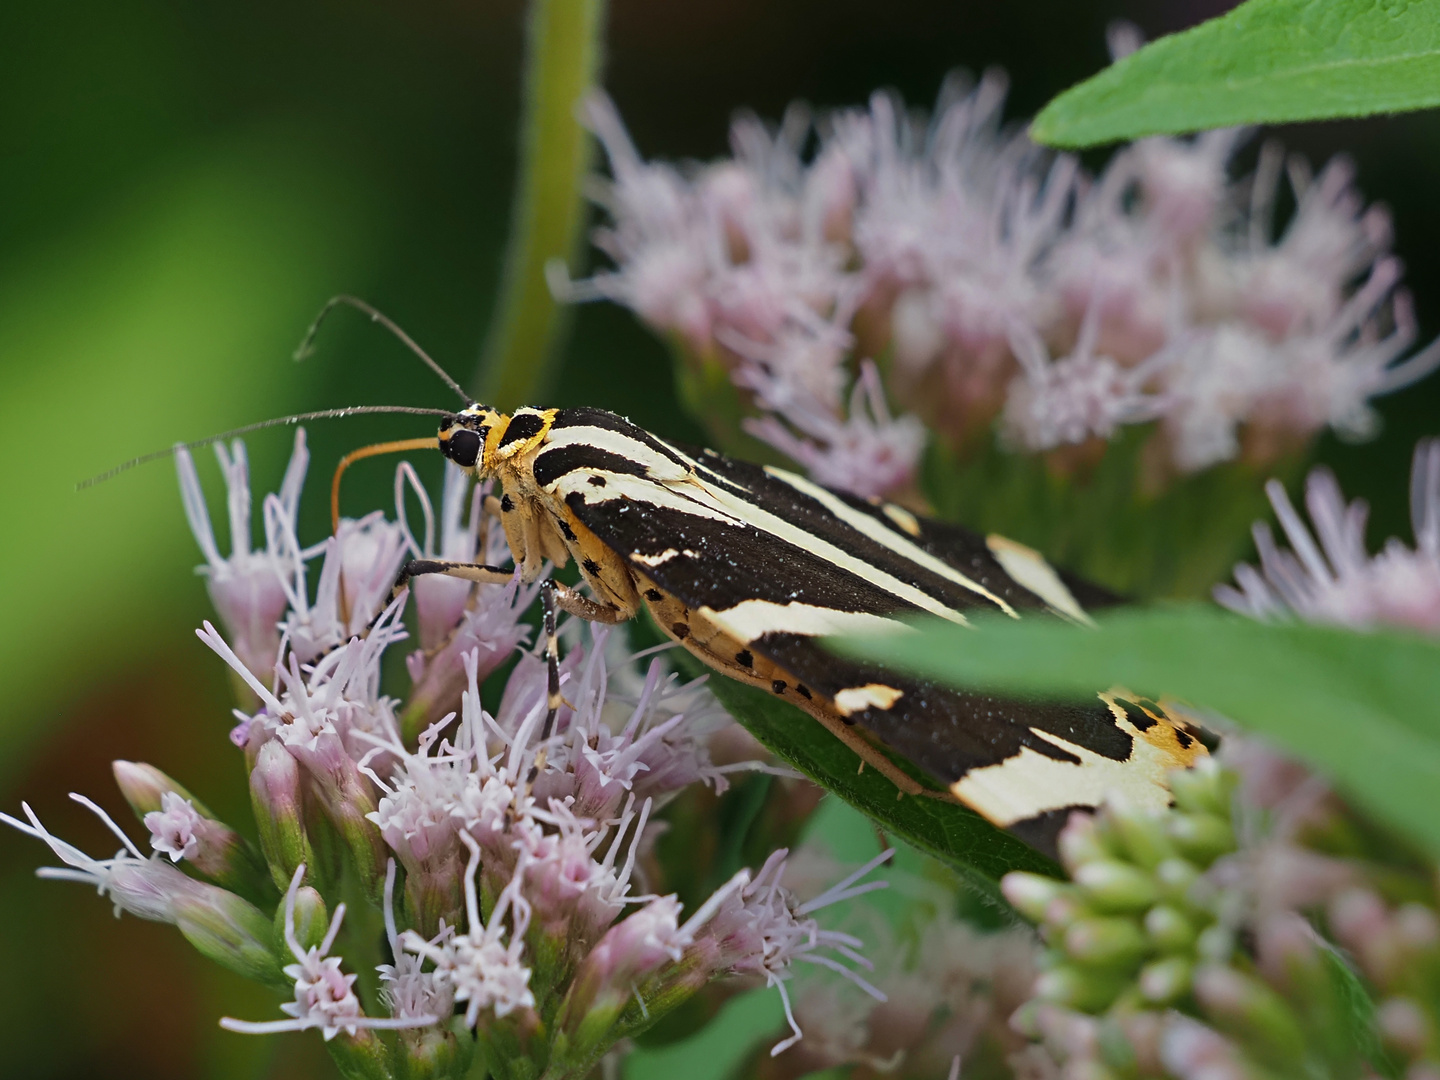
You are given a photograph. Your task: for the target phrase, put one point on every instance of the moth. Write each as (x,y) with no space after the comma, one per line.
(747,566)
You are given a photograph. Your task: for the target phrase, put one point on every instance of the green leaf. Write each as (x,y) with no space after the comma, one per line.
(1355,1016)
(1268,61)
(960,838)
(1363,708)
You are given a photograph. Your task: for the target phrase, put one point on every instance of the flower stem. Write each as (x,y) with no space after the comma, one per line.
(563,48)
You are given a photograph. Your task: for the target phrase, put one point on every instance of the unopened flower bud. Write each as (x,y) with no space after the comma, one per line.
(1403,1025)
(344,795)
(633,948)
(144,786)
(1026,1019)
(1416,927)
(229,930)
(1163,981)
(1141,835)
(1030,894)
(1175,878)
(434,1053)
(1169,928)
(1100,942)
(1215,944)
(1205,788)
(1115,887)
(361,1054)
(1079,988)
(1063,910)
(310,920)
(1201,837)
(1251,1012)
(279,813)
(1080,841)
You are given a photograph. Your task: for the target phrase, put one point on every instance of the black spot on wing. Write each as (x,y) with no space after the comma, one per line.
(718,564)
(553,462)
(1136,715)
(522,426)
(948,732)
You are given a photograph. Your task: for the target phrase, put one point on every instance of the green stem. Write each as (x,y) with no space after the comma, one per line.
(563,47)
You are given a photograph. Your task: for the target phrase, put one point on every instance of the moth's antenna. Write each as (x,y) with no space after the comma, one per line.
(308,345)
(323,414)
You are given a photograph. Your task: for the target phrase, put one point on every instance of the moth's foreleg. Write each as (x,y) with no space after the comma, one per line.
(478,572)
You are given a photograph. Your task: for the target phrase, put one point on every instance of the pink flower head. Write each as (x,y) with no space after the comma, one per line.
(174,827)
(146,887)
(761,928)
(479,967)
(324,995)
(1335,580)
(248,588)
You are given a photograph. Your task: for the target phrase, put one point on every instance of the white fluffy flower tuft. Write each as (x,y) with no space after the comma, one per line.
(1333,579)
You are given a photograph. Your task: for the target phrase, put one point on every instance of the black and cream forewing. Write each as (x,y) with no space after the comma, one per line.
(762,562)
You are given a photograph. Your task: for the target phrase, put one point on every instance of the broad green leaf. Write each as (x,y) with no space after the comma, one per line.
(981,853)
(1354,1017)
(1268,61)
(1363,708)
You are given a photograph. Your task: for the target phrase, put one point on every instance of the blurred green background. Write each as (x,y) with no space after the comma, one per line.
(183,187)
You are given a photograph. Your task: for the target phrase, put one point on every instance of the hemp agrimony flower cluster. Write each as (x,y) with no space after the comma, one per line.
(510,874)
(998,286)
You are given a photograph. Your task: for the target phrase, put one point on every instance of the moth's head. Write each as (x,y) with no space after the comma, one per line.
(463,436)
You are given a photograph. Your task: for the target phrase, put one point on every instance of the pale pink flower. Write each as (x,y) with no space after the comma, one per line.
(146,887)
(174,827)
(479,967)
(324,995)
(1076,397)
(762,928)
(248,588)
(1335,580)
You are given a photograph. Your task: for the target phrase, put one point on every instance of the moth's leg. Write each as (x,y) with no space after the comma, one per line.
(871,755)
(573,603)
(478,572)
(553,700)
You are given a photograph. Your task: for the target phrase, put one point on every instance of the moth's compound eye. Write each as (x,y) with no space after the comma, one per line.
(462,447)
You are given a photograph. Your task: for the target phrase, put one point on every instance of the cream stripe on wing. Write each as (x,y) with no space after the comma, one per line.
(1030,783)
(701,499)
(862,522)
(751,619)
(639,489)
(656,464)
(1030,570)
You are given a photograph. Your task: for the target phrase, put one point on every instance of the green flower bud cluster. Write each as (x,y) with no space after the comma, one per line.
(1154,968)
